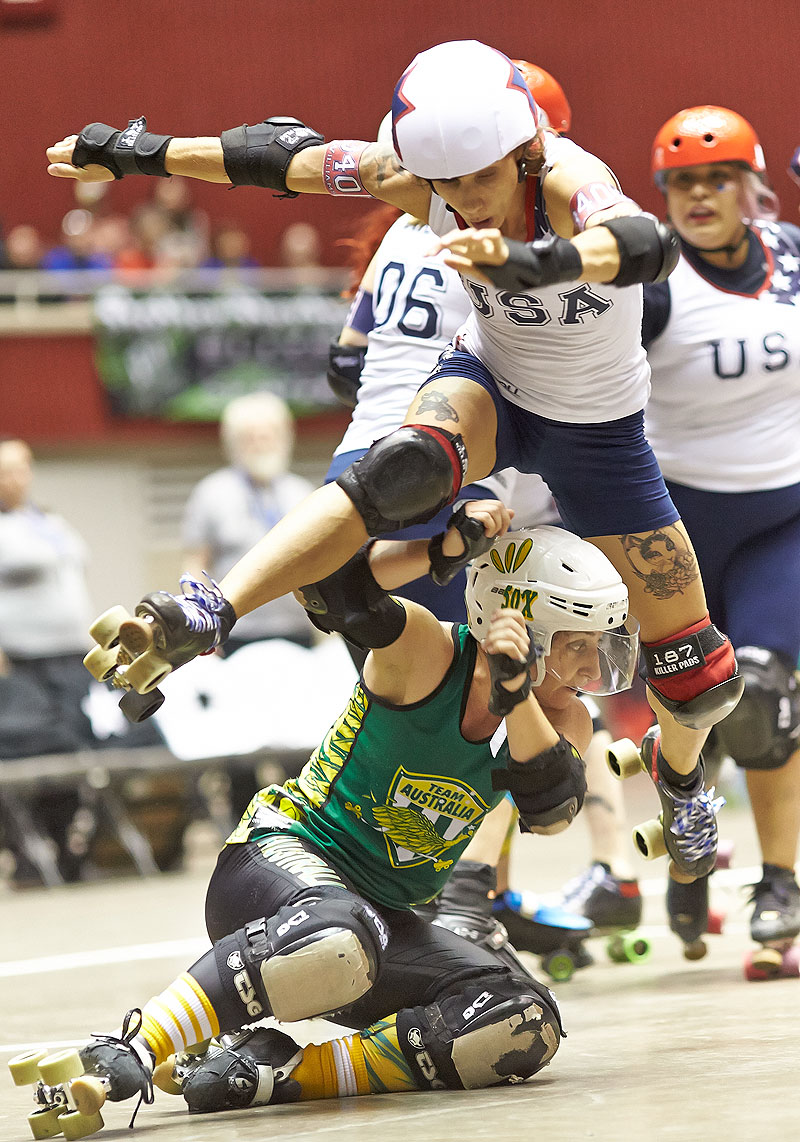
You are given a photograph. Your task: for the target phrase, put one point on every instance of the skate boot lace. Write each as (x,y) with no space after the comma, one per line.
(775,894)
(694,823)
(129,1032)
(578,890)
(201,604)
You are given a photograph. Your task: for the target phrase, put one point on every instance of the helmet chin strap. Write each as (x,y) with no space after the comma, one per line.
(730,249)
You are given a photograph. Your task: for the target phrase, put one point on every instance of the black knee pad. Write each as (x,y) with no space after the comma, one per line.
(499,1029)
(762,731)
(315,956)
(406,478)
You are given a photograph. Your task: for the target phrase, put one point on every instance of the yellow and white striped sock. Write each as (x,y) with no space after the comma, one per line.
(178,1018)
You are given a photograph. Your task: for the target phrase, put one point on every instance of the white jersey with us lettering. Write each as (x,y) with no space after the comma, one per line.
(724,414)
(418,304)
(570,352)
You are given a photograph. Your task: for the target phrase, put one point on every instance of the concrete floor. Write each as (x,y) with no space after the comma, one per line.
(663,1050)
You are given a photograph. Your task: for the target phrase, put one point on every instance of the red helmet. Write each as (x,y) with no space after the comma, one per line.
(548,93)
(701,135)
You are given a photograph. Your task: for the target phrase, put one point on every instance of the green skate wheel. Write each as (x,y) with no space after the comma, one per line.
(60,1067)
(629,948)
(46,1123)
(105,629)
(77,1125)
(560,966)
(25,1068)
(100,663)
(623,759)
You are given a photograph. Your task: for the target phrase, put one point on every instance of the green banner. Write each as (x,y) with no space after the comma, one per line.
(183,356)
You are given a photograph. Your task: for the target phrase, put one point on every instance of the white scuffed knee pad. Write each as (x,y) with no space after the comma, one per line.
(320,976)
(488,1054)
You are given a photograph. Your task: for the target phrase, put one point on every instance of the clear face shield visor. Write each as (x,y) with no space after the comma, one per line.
(596,663)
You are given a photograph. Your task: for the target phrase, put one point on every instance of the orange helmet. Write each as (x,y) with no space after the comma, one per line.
(701,135)
(548,94)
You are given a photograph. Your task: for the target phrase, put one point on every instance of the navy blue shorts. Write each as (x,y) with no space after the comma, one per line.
(447,603)
(748,549)
(604,477)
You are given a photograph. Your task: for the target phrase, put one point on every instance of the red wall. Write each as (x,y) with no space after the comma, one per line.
(199,66)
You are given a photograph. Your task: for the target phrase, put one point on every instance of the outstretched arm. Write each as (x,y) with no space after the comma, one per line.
(281,154)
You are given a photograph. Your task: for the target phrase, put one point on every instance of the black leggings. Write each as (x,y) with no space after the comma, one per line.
(422,963)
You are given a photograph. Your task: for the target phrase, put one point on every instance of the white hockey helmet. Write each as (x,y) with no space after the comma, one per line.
(560,583)
(459,107)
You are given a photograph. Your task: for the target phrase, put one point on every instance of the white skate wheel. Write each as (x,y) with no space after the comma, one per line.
(105,628)
(623,759)
(649,839)
(88,1093)
(60,1067)
(46,1123)
(146,673)
(100,663)
(25,1068)
(76,1125)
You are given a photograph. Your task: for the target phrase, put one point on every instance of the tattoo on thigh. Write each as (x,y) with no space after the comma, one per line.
(662,560)
(436,402)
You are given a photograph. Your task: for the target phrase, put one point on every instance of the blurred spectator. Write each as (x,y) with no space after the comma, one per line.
(77,252)
(229,510)
(230,248)
(300,251)
(173,197)
(23,248)
(44,615)
(148,227)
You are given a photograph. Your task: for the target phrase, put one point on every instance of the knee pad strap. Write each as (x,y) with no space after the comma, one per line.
(693,673)
(406,478)
(315,956)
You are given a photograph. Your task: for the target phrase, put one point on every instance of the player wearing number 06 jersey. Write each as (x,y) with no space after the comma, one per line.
(414,307)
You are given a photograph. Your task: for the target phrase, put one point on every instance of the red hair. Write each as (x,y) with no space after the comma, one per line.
(365,242)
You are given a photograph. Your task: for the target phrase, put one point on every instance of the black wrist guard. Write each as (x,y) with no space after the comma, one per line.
(502,668)
(476,541)
(353,603)
(648,250)
(548,790)
(531,264)
(132,151)
(260,155)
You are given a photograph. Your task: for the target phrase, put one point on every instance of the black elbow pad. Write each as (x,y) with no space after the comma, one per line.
(648,249)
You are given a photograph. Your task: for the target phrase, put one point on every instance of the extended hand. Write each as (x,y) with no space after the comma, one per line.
(60,157)
(469,249)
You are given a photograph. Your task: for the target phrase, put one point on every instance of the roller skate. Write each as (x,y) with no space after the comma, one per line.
(614,907)
(775,925)
(690,915)
(136,653)
(464,906)
(552,933)
(71,1086)
(686,828)
(249,1068)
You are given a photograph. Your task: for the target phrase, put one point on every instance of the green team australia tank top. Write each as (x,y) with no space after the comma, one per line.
(394,794)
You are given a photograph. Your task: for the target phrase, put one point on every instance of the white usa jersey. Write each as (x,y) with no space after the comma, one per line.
(568,352)
(724,414)
(418,304)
